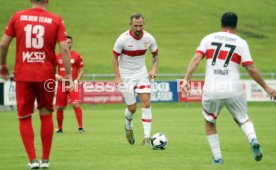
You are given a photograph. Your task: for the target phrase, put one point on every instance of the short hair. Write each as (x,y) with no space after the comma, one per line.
(136,16)
(229,19)
(69,37)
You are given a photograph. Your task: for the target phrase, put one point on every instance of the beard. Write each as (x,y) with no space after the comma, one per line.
(138,33)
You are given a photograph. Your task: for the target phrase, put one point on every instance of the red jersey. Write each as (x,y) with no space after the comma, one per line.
(36,31)
(76,64)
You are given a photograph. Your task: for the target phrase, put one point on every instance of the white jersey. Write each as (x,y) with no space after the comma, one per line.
(131,52)
(224,53)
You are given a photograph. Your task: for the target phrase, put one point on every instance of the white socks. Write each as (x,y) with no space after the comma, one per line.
(248,130)
(128,119)
(215,147)
(146,120)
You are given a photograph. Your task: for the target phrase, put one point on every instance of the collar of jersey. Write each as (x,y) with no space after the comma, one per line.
(137,38)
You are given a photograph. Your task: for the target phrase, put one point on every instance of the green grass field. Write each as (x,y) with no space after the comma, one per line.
(103,146)
(178,27)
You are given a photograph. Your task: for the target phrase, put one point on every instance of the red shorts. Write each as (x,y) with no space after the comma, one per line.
(27,92)
(61,97)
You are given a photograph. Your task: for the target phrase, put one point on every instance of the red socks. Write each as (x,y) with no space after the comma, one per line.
(27,135)
(60,118)
(46,133)
(78,113)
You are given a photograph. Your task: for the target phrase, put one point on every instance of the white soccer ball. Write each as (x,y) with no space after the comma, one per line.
(159,141)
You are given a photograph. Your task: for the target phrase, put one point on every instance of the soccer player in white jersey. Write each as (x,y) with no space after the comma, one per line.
(131,73)
(224,52)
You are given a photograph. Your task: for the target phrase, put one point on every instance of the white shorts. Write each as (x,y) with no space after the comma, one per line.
(131,86)
(237,106)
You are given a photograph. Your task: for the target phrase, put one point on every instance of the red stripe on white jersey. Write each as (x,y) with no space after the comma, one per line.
(142,87)
(222,55)
(146,120)
(134,53)
(210,53)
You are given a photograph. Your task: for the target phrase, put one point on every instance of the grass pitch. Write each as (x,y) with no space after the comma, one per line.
(103,145)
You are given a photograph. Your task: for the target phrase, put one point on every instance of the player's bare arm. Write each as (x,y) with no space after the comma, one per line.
(153,71)
(81,71)
(185,88)
(65,53)
(116,69)
(255,74)
(4,47)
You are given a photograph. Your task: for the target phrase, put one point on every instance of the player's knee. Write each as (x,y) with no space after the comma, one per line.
(210,124)
(60,108)
(44,111)
(75,105)
(132,108)
(145,104)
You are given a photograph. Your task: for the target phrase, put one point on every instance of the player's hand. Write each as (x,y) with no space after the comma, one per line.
(4,72)
(185,88)
(271,92)
(152,74)
(68,82)
(58,77)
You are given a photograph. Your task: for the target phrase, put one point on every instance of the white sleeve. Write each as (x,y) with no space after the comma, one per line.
(153,46)
(245,55)
(118,47)
(202,48)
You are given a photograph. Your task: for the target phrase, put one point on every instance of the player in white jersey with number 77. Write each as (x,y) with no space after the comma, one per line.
(224,52)
(131,73)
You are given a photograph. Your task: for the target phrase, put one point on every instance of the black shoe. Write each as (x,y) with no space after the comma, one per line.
(130,136)
(81,130)
(59,131)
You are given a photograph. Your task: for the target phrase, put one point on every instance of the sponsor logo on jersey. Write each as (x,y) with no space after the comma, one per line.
(34,57)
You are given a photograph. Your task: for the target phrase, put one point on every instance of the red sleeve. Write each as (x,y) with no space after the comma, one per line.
(10,30)
(61,31)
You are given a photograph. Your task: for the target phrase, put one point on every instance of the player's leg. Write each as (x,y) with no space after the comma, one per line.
(25,97)
(74,100)
(61,102)
(211,109)
(45,107)
(238,108)
(130,101)
(146,116)
(143,90)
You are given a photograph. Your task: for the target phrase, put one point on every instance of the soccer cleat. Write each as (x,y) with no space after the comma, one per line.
(33,164)
(59,131)
(129,136)
(44,164)
(256,148)
(218,161)
(146,141)
(81,130)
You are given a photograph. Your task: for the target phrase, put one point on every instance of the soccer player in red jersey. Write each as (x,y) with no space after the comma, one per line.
(36,31)
(61,96)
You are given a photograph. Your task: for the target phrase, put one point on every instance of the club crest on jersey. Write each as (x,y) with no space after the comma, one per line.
(72,61)
(34,57)
(146,44)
